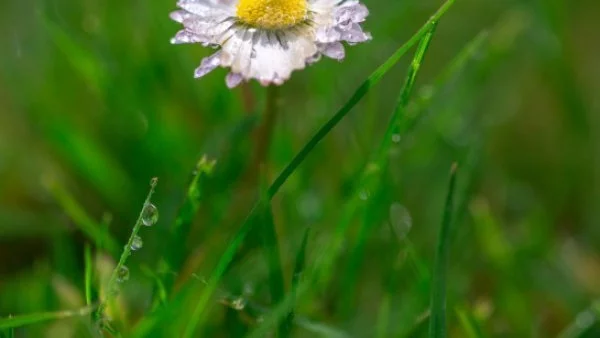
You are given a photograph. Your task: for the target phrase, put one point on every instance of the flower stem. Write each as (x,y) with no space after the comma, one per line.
(265,132)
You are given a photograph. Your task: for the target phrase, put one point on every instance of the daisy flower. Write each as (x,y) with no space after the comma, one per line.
(267,40)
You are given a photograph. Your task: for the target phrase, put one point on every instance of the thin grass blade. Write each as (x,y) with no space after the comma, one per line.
(469,323)
(437,322)
(127,249)
(92,229)
(271,251)
(88,268)
(195,192)
(297,275)
(34,318)
(383,318)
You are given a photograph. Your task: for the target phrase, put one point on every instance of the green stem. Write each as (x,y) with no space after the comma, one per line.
(265,133)
(112,282)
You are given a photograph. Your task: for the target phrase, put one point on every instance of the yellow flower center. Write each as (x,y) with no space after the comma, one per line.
(272,14)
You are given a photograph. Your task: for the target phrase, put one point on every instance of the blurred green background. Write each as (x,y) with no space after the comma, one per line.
(94,102)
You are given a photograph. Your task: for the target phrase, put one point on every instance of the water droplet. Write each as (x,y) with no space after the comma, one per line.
(238,304)
(122,274)
(149,215)
(396,138)
(248,289)
(401,220)
(136,243)
(585,319)
(310,206)
(364,195)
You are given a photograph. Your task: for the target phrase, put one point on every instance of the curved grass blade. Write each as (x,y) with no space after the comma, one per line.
(199,313)
(34,318)
(437,322)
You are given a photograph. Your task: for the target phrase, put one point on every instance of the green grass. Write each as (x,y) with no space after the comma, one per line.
(437,323)
(34,318)
(328,225)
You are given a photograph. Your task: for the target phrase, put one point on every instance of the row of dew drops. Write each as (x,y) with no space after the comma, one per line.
(149,218)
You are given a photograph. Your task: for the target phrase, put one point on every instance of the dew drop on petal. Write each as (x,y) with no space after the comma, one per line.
(400,220)
(122,274)
(149,215)
(136,243)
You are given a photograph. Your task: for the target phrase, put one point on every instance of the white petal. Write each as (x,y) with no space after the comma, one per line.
(185,36)
(208,64)
(266,56)
(333,50)
(233,80)
(355,34)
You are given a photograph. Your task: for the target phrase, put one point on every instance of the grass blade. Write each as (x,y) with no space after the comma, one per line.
(8,333)
(426,94)
(370,178)
(298,271)
(92,229)
(321,330)
(159,287)
(437,322)
(469,323)
(87,257)
(112,283)
(271,250)
(383,317)
(185,216)
(34,318)
(199,313)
